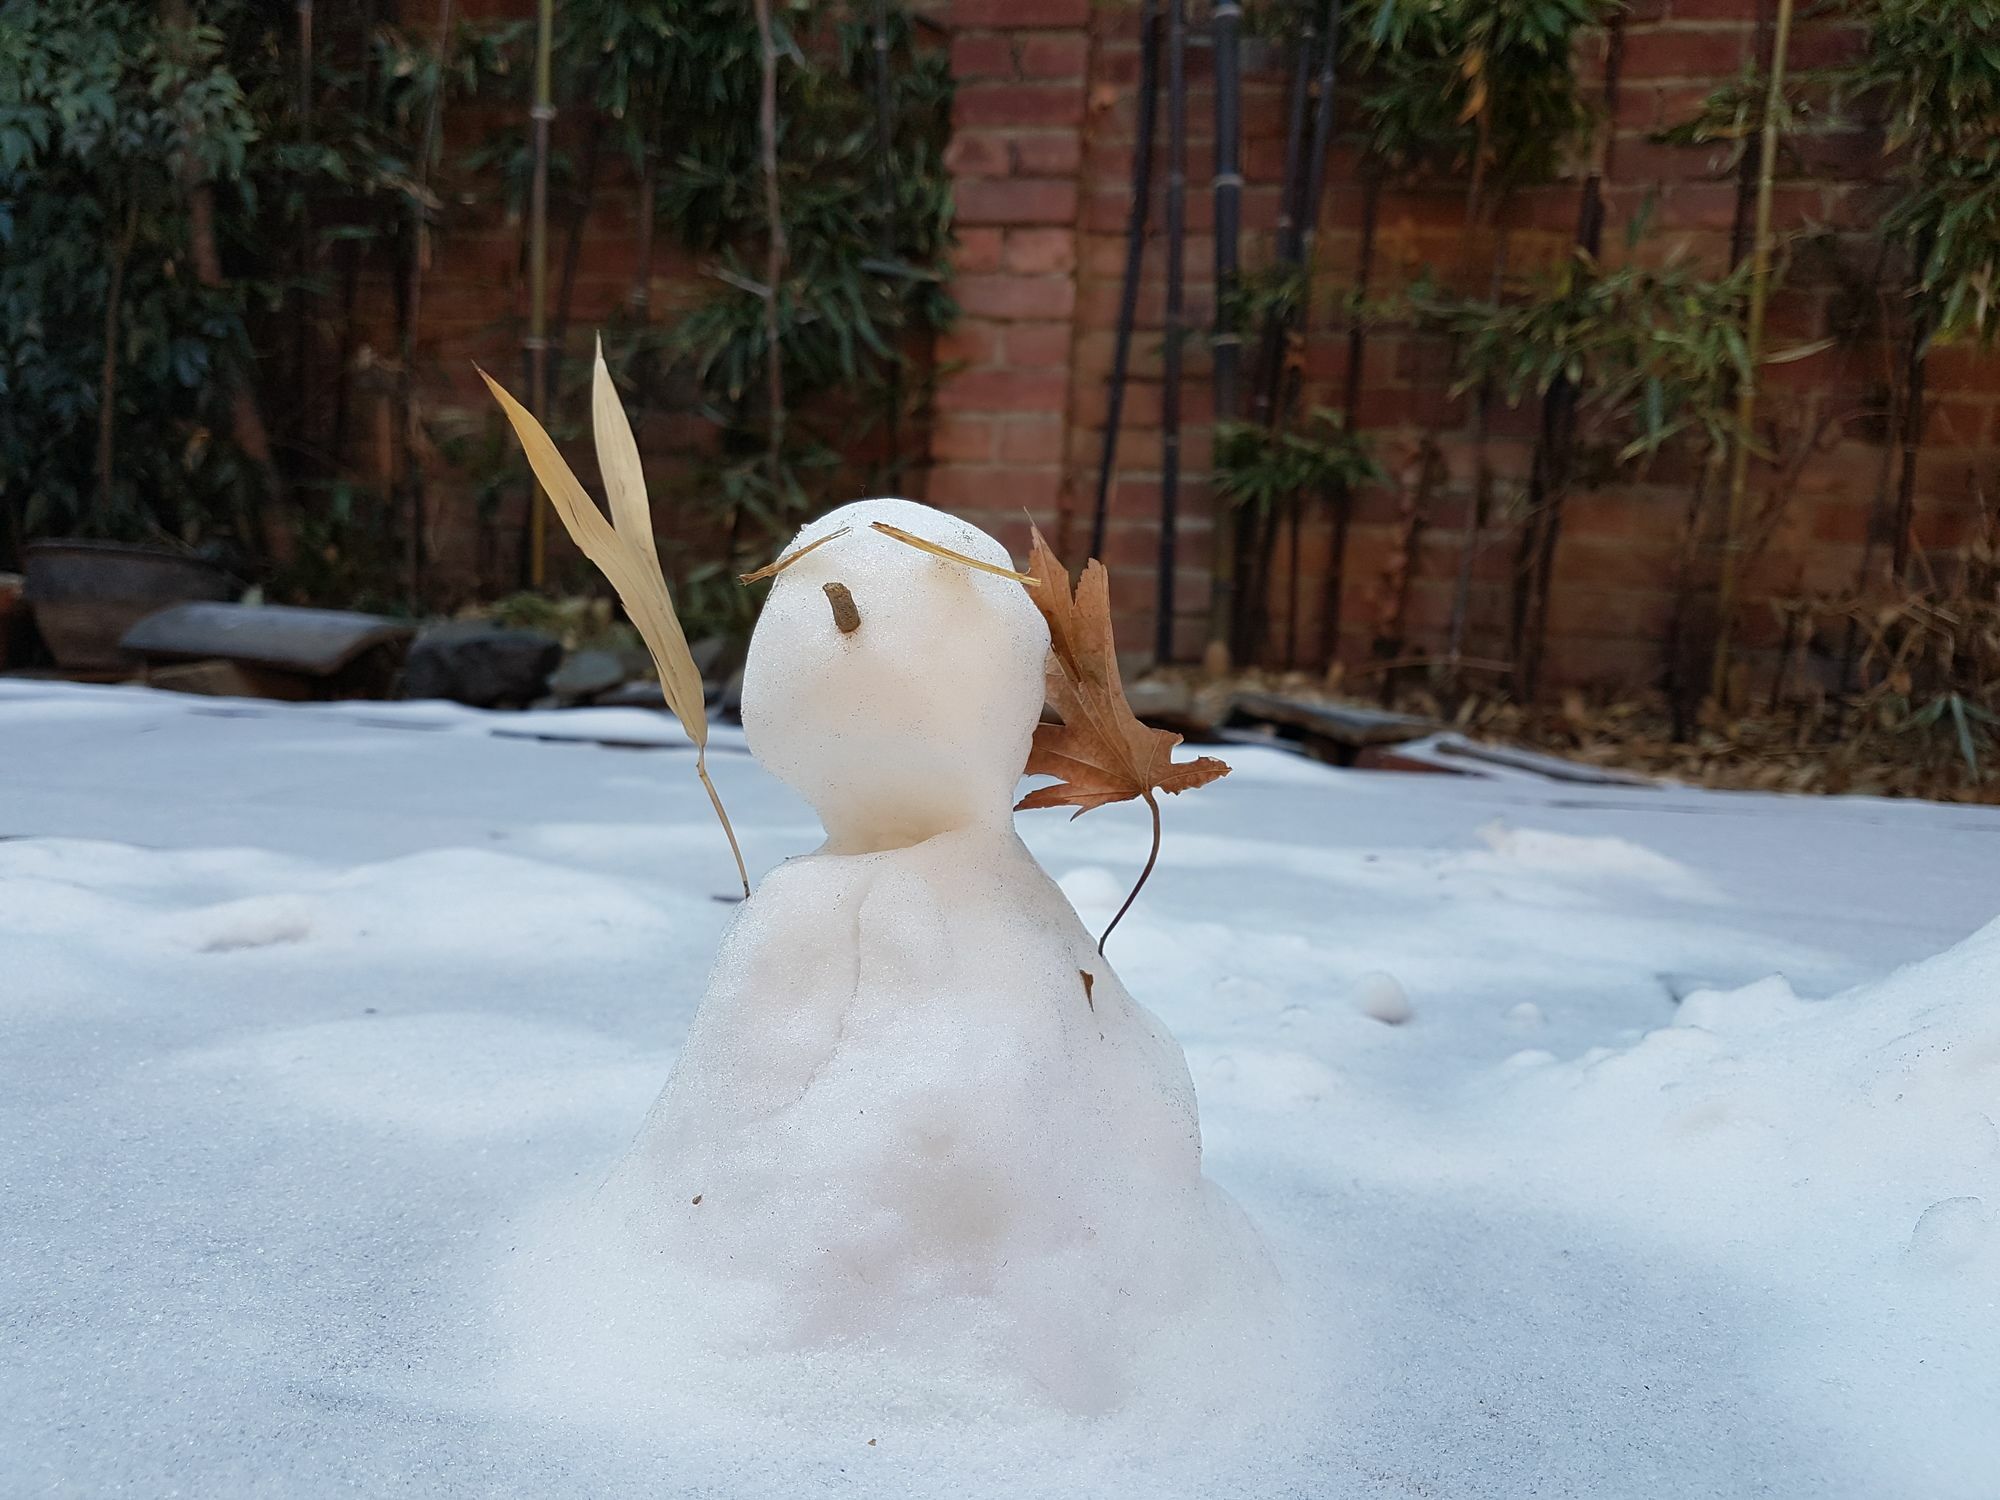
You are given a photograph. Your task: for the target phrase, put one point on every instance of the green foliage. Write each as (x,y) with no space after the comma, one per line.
(1274,294)
(102,108)
(867,245)
(1269,470)
(1731,118)
(114,116)
(1479,86)
(1955,211)
(1934,67)
(1654,351)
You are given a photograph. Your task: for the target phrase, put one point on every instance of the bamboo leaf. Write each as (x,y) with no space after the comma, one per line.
(630,566)
(1797,352)
(618,461)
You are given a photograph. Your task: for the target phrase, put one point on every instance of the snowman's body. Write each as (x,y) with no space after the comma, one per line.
(902,1120)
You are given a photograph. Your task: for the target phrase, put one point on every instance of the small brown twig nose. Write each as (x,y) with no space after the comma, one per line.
(845,615)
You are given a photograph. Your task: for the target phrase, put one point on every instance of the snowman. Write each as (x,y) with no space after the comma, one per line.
(917,1117)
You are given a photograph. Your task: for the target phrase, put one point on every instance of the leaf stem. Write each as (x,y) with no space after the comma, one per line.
(1154,807)
(701,770)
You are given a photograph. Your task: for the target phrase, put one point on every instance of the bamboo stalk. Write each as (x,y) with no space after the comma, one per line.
(1253,533)
(1479,503)
(639,297)
(1911,437)
(774,252)
(1135,253)
(1350,406)
(303,298)
(107,380)
(1307,236)
(1285,241)
(247,425)
(415,556)
(1176,328)
(1553,462)
(572,257)
(1753,338)
(1225,23)
(885,230)
(542,115)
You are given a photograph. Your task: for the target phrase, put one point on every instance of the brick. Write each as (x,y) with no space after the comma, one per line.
(1693,52)
(980,153)
(1016,298)
(982,54)
(1825,46)
(1018,14)
(1058,55)
(1031,442)
(1017,104)
(1039,251)
(978,250)
(1036,346)
(964,439)
(1047,153)
(1002,391)
(1001,491)
(1015,201)
(969,343)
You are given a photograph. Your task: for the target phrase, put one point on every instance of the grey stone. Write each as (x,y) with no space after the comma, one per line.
(486,666)
(584,676)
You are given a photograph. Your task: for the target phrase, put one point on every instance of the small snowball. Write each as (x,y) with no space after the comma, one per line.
(1949,1233)
(1530,1057)
(1527,1015)
(1382,997)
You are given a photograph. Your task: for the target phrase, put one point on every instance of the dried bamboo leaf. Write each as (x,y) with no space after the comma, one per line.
(618,461)
(632,573)
(950,556)
(772,570)
(627,557)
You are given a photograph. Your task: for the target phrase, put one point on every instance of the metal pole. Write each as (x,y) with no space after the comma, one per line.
(538,273)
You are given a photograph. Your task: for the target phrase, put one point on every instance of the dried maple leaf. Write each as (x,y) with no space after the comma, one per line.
(1100,753)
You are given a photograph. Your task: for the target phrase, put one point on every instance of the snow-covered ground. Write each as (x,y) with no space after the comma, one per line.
(1588,1169)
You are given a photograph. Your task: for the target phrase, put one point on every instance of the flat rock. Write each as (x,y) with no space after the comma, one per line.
(311,642)
(585,676)
(1346,726)
(482,665)
(217,678)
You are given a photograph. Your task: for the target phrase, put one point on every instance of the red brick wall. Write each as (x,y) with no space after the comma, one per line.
(1042,152)
(1043,130)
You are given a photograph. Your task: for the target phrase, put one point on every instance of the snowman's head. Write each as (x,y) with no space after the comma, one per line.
(896,691)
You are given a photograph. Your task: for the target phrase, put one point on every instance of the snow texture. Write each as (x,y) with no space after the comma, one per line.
(317,1024)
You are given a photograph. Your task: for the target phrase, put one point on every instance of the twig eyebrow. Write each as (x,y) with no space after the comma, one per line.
(772,570)
(924,545)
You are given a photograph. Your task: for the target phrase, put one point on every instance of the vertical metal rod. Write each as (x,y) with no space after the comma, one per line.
(1226,23)
(542,115)
(885,232)
(1176,327)
(1135,255)
(1753,340)
(774,253)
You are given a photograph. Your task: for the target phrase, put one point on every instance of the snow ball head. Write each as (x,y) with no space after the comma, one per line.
(894,690)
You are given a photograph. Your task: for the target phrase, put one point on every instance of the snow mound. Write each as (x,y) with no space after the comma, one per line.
(1841,1152)
(1882,1100)
(1590,856)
